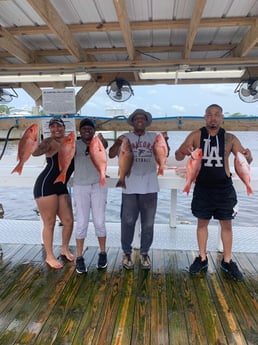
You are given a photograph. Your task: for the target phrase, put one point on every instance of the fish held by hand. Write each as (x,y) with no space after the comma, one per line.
(98,156)
(193,167)
(125,162)
(27,144)
(242,168)
(65,156)
(160,150)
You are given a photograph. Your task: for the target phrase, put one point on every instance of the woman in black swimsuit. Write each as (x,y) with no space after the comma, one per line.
(52,198)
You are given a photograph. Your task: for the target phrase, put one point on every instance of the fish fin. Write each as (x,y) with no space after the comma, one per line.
(18,169)
(249,190)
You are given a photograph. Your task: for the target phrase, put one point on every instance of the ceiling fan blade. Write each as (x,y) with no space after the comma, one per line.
(114,87)
(255,85)
(125,89)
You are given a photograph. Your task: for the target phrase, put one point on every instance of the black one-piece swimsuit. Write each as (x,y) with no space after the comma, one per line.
(45,185)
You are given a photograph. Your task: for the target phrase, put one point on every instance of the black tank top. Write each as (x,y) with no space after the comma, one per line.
(212,173)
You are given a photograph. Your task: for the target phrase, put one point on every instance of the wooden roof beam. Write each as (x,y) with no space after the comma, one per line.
(248,42)
(34,91)
(113,66)
(159,49)
(125,27)
(193,26)
(85,93)
(50,16)
(138,26)
(15,47)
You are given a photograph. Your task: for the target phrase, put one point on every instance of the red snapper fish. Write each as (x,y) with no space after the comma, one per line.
(193,167)
(65,156)
(26,146)
(242,168)
(160,150)
(98,156)
(125,162)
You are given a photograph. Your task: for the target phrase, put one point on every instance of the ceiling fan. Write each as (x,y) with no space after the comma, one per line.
(248,90)
(119,90)
(7,96)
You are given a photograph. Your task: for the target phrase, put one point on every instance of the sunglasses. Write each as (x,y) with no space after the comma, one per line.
(87,151)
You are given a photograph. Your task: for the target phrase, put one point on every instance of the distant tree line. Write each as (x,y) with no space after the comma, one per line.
(4,109)
(237,115)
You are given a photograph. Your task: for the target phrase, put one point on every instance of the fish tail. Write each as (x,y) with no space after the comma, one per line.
(187,189)
(249,190)
(102,181)
(160,171)
(60,178)
(18,169)
(121,183)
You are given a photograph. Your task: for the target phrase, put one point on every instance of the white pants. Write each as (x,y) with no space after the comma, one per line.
(92,198)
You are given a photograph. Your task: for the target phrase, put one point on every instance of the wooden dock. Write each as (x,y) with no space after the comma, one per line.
(165,305)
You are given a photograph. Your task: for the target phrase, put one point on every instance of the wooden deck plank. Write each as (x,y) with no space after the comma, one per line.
(111,297)
(123,326)
(177,324)
(57,312)
(234,320)
(102,299)
(79,291)
(208,306)
(142,311)
(163,306)
(159,312)
(195,327)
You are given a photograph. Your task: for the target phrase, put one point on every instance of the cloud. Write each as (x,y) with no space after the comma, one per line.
(179,108)
(223,90)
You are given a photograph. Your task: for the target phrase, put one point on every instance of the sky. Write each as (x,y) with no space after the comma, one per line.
(160,101)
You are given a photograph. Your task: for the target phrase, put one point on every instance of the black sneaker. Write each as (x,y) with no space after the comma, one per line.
(102,262)
(198,265)
(232,270)
(80,265)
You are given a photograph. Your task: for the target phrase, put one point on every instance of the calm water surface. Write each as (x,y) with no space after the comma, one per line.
(18,203)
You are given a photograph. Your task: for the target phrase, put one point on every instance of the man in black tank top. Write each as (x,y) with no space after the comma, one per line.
(214,194)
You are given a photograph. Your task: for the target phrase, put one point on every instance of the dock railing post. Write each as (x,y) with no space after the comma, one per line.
(219,241)
(137,234)
(172,216)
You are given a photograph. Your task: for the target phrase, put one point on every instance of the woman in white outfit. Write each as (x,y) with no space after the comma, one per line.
(89,197)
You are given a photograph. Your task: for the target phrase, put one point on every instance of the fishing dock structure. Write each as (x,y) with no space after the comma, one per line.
(165,305)
(18,124)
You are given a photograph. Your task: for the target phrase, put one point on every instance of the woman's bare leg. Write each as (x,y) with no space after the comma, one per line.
(48,207)
(65,213)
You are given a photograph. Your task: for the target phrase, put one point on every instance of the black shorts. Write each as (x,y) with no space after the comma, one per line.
(219,203)
(45,187)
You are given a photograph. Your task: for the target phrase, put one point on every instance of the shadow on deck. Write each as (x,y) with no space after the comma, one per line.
(163,306)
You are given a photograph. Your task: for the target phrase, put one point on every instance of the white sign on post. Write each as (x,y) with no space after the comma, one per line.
(59,101)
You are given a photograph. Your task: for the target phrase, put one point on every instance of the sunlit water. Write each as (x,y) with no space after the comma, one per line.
(18,203)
